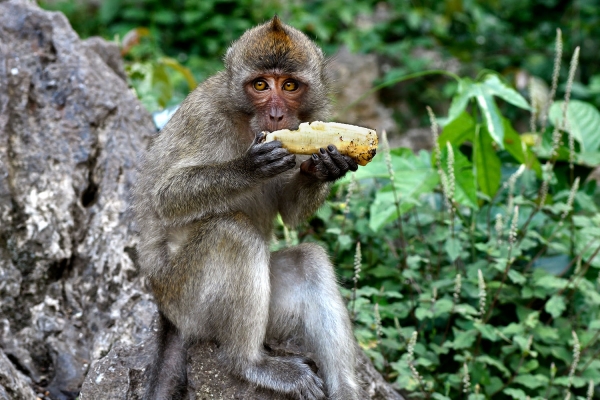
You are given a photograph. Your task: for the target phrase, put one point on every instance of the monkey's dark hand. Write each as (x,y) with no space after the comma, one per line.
(268,159)
(328,165)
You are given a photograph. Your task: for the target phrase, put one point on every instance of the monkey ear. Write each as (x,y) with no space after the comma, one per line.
(276,24)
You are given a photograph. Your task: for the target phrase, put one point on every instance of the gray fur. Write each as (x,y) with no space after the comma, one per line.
(205,213)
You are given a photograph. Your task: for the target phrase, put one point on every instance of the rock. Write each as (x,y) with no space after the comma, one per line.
(109,52)
(122,373)
(353,76)
(70,135)
(13,384)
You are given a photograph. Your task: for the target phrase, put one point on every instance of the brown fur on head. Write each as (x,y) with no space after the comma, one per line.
(276,48)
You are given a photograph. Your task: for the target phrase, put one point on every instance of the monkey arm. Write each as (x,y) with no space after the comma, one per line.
(300,196)
(186,191)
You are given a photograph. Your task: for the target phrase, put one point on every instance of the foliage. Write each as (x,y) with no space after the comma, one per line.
(475,268)
(508,36)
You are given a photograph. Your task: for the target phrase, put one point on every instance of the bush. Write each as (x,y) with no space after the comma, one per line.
(474,270)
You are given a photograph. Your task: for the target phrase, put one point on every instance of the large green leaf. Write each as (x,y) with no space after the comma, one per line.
(487,163)
(413,176)
(484,93)
(458,131)
(461,129)
(583,122)
(496,87)
(465,91)
(491,114)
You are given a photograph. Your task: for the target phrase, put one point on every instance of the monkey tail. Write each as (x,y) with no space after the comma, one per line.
(167,377)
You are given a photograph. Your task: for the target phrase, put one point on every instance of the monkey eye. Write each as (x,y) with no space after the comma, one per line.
(290,86)
(260,85)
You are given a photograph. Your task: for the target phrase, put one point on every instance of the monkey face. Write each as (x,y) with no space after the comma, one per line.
(276,100)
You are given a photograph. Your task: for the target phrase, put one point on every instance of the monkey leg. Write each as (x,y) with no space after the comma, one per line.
(221,291)
(304,290)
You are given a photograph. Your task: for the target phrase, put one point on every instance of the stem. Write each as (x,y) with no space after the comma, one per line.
(504,275)
(512,376)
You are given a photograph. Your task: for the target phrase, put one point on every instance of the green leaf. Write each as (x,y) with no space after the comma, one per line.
(495,86)
(495,363)
(452,247)
(515,393)
(475,396)
(516,277)
(413,177)
(466,90)
(514,144)
(555,306)
(161,84)
(462,339)
(532,381)
(465,309)
(583,122)
(442,307)
(423,312)
(487,163)
(546,334)
(345,241)
(595,324)
(491,114)
(458,131)
(487,331)
(550,282)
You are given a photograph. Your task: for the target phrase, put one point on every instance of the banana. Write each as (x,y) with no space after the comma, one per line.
(354,141)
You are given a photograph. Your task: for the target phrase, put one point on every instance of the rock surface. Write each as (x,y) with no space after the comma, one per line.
(70,134)
(121,375)
(353,76)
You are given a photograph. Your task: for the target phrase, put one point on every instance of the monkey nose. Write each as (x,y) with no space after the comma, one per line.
(276,114)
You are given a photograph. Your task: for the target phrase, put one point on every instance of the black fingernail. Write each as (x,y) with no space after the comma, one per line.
(315,157)
(331,147)
(322,150)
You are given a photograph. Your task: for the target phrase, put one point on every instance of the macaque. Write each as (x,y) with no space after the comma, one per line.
(208,192)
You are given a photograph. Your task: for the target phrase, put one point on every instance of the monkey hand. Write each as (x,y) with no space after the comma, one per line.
(267,159)
(328,165)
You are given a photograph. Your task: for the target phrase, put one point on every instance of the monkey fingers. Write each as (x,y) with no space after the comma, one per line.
(333,171)
(344,162)
(331,165)
(260,137)
(262,148)
(275,167)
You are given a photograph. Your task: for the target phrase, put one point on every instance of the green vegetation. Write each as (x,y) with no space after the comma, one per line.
(474,270)
(471,271)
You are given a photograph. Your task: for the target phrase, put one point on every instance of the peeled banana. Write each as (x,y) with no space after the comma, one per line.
(354,141)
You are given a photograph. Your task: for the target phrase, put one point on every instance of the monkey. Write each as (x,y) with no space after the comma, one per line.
(208,191)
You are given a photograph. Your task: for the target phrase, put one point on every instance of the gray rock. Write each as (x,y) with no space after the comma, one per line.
(13,384)
(353,76)
(70,133)
(122,373)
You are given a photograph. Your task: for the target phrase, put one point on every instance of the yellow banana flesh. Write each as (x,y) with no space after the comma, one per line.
(354,141)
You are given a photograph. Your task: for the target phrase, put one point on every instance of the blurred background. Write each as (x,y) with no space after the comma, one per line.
(170,46)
